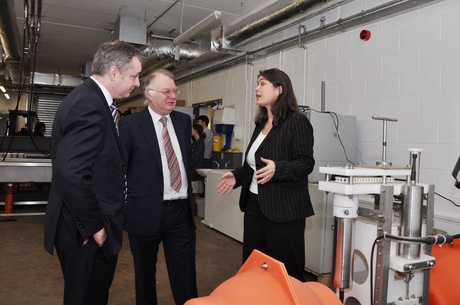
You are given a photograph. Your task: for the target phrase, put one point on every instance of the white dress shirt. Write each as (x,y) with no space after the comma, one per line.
(169,192)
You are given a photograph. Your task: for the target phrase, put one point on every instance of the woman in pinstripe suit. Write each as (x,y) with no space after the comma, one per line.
(274,176)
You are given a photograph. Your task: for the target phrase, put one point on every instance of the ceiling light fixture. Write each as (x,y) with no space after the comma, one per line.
(7,96)
(3,89)
(210,22)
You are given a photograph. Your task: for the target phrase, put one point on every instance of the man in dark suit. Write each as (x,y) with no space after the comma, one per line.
(85,211)
(159,208)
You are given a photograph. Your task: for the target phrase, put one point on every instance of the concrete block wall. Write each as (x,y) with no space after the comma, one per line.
(408,70)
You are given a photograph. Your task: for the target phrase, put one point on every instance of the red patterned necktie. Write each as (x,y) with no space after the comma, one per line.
(173,164)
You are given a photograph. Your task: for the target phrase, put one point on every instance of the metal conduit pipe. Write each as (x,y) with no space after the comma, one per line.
(9,33)
(164,49)
(270,20)
(272,15)
(362,17)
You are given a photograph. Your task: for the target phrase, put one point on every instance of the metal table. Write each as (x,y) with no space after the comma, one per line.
(22,170)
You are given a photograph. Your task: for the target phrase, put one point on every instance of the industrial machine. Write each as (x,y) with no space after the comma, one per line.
(381,215)
(24,160)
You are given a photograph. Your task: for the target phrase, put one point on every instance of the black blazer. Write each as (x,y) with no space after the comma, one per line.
(290,145)
(196,159)
(88,170)
(145,173)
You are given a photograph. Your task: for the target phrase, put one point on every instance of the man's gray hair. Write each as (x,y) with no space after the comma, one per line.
(114,53)
(150,78)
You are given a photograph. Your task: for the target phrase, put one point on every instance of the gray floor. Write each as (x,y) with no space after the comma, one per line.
(29,275)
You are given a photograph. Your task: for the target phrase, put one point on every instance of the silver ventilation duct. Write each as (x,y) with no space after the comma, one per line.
(273,15)
(162,53)
(164,49)
(10,39)
(9,33)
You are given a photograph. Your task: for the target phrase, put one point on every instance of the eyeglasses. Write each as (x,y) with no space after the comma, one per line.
(168,92)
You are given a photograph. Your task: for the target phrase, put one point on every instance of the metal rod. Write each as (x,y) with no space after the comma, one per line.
(384,140)
(323,96)
(22,214)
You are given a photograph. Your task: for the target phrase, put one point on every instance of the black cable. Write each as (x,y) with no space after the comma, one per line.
(341,295)
(336,125)
(443,197)
(438,239)
(450,200)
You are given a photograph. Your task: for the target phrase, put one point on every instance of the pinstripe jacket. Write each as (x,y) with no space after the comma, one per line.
(285,197)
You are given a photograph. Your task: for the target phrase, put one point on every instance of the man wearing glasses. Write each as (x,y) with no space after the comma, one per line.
(159,207)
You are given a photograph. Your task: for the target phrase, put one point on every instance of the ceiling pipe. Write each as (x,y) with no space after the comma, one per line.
(9,33)
(268,18)
(163,48)
(343,24)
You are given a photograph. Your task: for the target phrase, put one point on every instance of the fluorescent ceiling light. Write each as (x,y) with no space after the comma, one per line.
(7,96)
(212,21)
(3,89)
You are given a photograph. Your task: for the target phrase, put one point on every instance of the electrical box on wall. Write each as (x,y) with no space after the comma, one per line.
(330,131)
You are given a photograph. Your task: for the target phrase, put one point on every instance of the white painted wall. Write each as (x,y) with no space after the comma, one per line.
(408,70)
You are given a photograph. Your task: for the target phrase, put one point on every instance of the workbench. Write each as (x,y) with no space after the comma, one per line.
(22,170)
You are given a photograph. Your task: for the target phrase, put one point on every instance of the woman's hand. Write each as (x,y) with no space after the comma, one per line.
(264,174)
(227,182)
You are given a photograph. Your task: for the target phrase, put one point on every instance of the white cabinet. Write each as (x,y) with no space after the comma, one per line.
(319,233)
(222,212)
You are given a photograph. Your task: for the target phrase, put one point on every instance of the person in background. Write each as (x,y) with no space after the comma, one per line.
(39,129)
(197,161)
(85,210)
(203,120)
(23,132)
(159,208)
(274,177)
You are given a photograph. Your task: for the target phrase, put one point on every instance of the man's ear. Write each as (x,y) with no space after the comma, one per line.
(113,72)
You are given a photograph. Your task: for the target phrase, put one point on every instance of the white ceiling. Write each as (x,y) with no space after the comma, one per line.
(71,30)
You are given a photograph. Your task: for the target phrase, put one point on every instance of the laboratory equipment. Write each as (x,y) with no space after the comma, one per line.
(381,213)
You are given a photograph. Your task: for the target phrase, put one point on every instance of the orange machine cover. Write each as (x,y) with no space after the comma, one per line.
(445,276)
(263,280)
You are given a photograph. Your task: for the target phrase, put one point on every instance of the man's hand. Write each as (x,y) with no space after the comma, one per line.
(99,237)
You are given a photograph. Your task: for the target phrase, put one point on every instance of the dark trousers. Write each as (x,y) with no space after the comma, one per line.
(179,243)
(88,274)
(282,241)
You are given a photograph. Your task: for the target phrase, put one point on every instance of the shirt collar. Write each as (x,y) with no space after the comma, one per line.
(156,117)
(107,95)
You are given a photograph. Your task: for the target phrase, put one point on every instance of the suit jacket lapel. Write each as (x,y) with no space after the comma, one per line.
(150,134)
(92,84)
(270,136)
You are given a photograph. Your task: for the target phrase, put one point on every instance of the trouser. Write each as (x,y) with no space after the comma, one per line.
(88,274)
(179,243)
(282,241)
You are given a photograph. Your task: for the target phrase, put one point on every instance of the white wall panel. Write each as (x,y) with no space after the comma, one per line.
(401,106)
(367,68)
(404,61)
(409,70)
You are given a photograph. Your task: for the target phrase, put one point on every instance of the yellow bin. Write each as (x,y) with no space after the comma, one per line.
(217,143)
